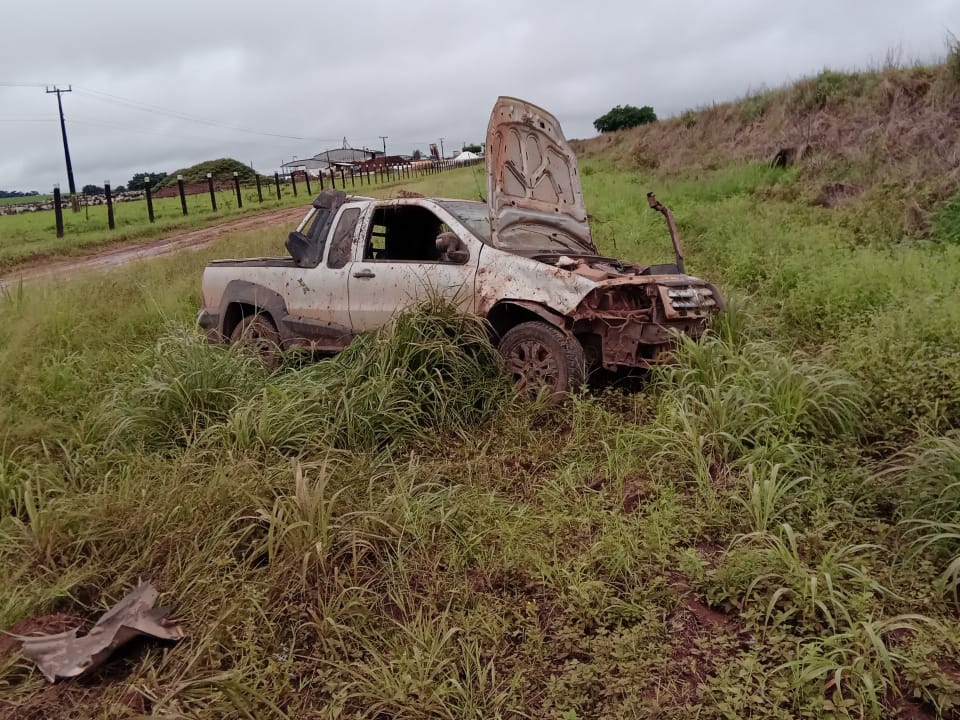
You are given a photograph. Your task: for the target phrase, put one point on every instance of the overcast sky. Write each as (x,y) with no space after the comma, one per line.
(415,71)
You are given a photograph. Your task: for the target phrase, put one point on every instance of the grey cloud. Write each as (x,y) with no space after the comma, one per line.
(415,71)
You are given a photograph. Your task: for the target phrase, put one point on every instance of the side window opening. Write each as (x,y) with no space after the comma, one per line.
(404,232)
(343,239)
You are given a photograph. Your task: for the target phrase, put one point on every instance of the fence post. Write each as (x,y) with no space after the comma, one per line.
(213,197)
(320,175)
(57,210)
(343,179)
(333,178)
(259,189)
(183,195)
(306,177)
(293,181)
(106,191)
(146,185)
(236,185)
(276,179)
(353,182)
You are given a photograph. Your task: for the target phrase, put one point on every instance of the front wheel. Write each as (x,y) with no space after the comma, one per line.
(537,355)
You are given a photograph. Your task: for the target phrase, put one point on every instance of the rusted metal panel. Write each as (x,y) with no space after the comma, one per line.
(65,655)
(505,276)
(533,185)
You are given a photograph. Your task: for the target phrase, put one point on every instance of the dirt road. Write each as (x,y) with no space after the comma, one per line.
(193,240)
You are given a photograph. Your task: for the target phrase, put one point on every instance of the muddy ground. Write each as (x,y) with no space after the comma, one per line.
(193,240)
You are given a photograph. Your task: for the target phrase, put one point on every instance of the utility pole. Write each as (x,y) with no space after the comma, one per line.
(384,138)
(63,131)
(442,154)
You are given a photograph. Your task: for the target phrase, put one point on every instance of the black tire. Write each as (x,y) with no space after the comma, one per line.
(538,355)
(258,333)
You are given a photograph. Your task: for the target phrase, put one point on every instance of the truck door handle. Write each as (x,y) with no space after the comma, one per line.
(364,274)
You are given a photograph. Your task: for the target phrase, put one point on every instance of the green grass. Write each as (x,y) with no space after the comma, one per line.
(766,529)
(21,200)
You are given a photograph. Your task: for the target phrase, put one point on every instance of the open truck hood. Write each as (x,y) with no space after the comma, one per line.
(533,186)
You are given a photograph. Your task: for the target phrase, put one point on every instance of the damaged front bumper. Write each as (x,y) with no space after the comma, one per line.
(635,325)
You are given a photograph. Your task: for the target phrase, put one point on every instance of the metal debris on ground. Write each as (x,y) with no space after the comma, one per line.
(64,655)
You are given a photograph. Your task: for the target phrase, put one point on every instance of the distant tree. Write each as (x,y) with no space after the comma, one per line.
(417,154)
(137,181)
(119,189)
(473,148)
(624,116)
(92,190)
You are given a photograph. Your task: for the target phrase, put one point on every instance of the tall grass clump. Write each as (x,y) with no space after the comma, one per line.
(855,672)
(178,388)
(908,361)
(727,403)
(788,578)
(947,221)
(928,475)
(429,373)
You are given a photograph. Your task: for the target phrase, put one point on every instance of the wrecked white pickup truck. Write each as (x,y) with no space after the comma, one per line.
(524,260)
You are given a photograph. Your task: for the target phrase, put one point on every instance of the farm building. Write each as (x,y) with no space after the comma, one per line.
(323,161)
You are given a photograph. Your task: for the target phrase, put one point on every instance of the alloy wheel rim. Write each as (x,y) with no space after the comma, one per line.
(532,366)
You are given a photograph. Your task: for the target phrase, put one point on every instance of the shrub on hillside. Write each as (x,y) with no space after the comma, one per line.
(828,88)
(220,169)
(947,223)
(624,116)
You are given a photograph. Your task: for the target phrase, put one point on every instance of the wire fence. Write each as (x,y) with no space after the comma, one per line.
(218,195)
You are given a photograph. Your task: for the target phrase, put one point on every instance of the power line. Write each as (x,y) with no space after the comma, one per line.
(157,110)
(7,83)
(187,117)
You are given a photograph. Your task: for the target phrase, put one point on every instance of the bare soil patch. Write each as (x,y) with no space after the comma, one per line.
(193,240)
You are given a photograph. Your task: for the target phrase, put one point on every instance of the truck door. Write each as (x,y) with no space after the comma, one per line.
(398,263)
(319,295)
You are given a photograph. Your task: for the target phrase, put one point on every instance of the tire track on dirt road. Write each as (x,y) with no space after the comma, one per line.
(105,259)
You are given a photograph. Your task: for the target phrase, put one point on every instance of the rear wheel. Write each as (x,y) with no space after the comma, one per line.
(258,333)
(537,355)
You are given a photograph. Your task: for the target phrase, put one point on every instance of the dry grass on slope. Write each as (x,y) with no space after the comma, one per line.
(893,132)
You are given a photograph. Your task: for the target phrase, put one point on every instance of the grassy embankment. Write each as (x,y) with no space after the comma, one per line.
(32,236)
(766,531)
